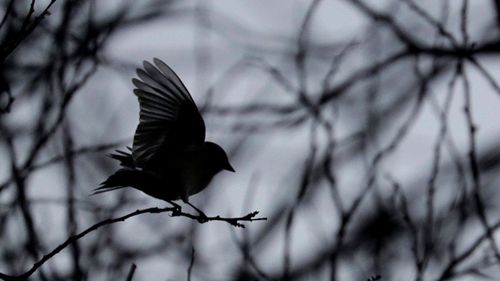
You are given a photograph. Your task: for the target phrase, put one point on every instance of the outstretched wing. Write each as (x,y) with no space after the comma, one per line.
(169,117)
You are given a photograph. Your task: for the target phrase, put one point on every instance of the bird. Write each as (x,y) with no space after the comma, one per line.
(169,158)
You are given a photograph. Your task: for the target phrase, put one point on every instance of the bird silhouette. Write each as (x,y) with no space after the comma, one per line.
(170,158)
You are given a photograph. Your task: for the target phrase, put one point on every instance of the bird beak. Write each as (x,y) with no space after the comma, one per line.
(229,168)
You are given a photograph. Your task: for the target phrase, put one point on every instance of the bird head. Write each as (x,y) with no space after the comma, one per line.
(218,157)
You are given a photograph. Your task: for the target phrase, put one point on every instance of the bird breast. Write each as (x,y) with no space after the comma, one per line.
(196,174)
(195,170)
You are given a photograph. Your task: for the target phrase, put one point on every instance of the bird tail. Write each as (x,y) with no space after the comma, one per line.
(121,178)
(125,158)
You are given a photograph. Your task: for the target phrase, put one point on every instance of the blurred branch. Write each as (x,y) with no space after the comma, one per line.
(26,29)
(59,158)
(191,264)
(415,46)
(6,98)
(473,164)
(448,271)
(7,13)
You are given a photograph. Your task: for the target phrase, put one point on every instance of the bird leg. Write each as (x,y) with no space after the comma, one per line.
(177,207)
(203,217)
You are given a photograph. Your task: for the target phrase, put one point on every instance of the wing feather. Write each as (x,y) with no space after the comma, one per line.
(168,116)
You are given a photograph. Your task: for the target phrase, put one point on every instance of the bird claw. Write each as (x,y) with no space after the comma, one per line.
(177,208)
(202,218)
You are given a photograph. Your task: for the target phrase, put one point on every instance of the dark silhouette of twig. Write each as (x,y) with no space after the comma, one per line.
(173,210)
(131,272)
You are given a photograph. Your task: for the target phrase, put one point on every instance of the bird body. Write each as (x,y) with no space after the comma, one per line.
(170,158)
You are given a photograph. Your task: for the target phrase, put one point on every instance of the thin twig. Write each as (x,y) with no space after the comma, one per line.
(131,272)
(174,212)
